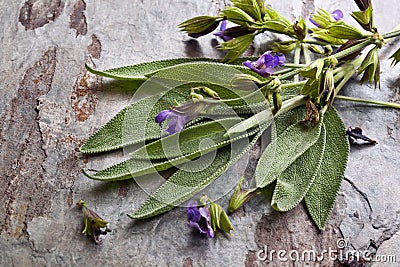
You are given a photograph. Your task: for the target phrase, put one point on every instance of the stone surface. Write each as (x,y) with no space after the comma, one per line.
(49,104)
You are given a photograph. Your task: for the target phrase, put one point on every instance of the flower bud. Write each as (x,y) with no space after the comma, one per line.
(199,26)
(195,96)
(311,88)
(328,86)
(245,82)
(365,19)
(315,49)
(210,92)
(219,218)
(300,29)
(277,100)
(93,223)
(240,196)
(371,67)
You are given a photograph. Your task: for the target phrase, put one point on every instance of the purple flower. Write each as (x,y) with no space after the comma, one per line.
(266,64)
(336,15)
(227,34)
(176,120)
(199,218)
(179,116)
(221,33)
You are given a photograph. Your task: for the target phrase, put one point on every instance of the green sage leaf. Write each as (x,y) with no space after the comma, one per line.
(284,150)
(293,184)
(140,71)
(202,137)
(110,136)
(135,167)
(237,16)
(322,194)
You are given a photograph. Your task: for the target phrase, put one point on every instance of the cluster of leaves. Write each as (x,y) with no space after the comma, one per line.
(307,157)
(304,162)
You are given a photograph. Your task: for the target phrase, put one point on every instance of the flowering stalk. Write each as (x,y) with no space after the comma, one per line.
(368,101)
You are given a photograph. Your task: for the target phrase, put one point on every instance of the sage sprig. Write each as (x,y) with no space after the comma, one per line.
(197,116)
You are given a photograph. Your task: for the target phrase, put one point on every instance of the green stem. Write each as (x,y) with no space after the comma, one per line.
(290,85)
(343,82)
(391,34)
(338,56)
(295,66)
(291,104)
(296,60)
(353,49)
(315,42)
(289,74)
(361,100)
(283,71)
(306,54)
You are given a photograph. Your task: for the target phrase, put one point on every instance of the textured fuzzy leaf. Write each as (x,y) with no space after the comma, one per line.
(204,72)
(207,136)
(142,71)
(181,78)
(322,194)
(139,71)
(284,120)
(137,167)
(111,135)
(264,117)
(283,151)
(191,179)
(293,184)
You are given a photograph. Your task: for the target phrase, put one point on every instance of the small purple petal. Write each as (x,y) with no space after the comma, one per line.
(195,225)
(221,34)
(162,116)
(210,232)
(337,14)
(223,26)
(280,60)
(205,213)
(199,218)
(269,60)
(193,214)
(248,64)
(265,65)
(177,123)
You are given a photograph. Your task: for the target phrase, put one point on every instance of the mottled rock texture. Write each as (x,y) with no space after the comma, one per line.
(49,104)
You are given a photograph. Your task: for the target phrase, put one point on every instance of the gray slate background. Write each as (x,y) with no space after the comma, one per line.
(49,105)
